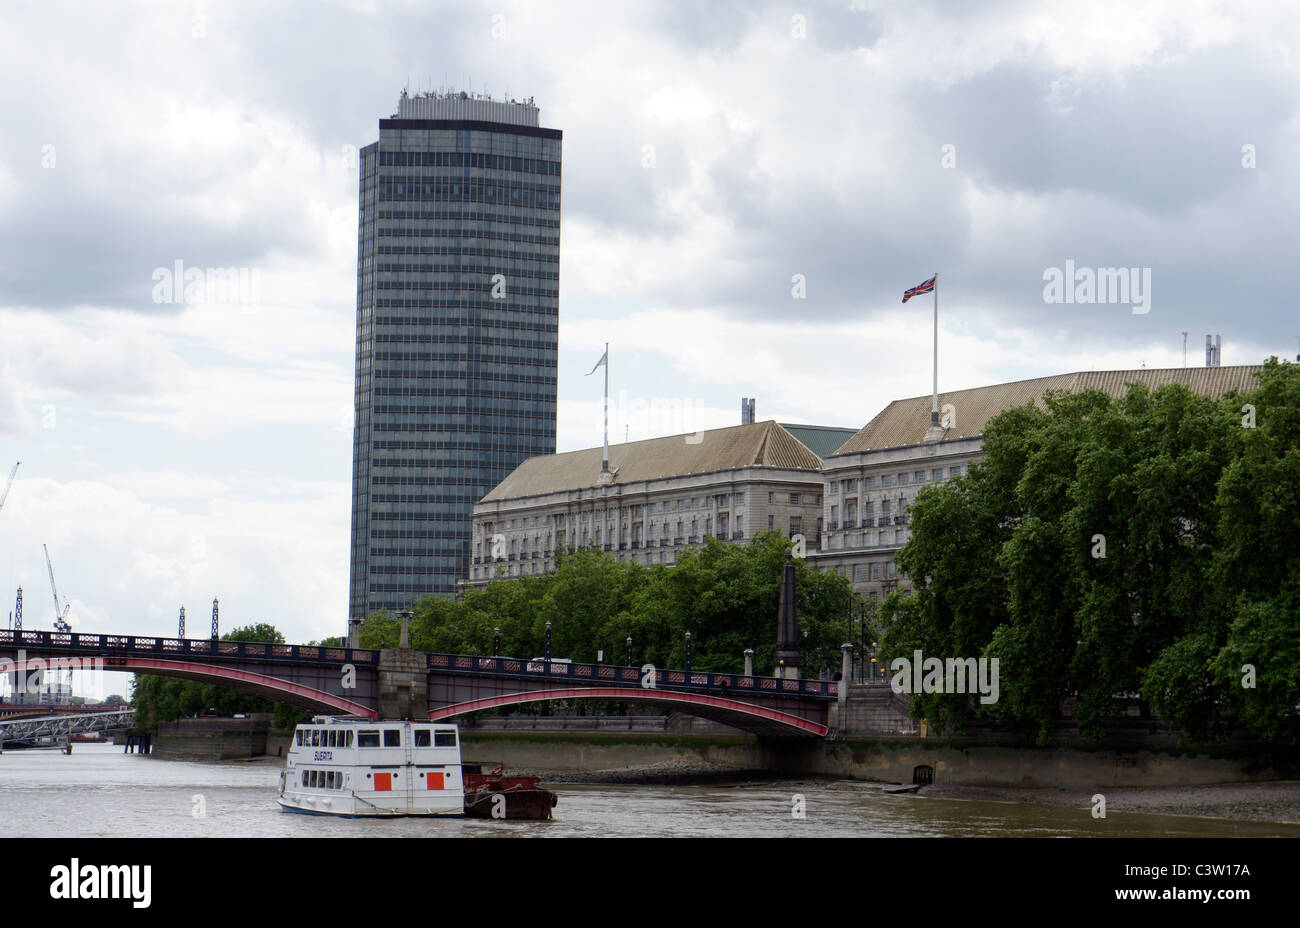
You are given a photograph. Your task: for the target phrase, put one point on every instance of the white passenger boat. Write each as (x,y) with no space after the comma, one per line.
(355,767)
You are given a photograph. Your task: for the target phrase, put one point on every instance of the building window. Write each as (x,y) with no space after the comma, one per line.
(866,539)
(857,572)
(886,481)
(740,526)
(740,499)
(794,499)
(875,571)
(771,523)
(769,496)
(884,508)
(893,570)
(918,477)
(955,471)
(868,483)
(898,536)
(835,514)
(936,474)
(835,488)
(796,525)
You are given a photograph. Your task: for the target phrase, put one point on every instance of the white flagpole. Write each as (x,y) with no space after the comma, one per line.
(934,408)
(604,463)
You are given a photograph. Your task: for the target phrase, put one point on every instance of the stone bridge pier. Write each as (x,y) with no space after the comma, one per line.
(403,684)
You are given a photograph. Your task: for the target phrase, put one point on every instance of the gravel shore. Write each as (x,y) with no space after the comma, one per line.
(1270,801)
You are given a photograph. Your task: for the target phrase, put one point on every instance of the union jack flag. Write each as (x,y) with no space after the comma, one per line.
(926,287)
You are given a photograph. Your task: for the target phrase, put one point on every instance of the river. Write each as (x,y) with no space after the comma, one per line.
(99,791)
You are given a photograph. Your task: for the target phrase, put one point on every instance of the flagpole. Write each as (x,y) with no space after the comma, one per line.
(934,408)
(604,463)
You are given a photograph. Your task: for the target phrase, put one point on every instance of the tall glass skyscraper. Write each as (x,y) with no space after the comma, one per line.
(458,252)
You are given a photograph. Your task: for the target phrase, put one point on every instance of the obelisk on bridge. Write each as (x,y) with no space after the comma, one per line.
(787,635)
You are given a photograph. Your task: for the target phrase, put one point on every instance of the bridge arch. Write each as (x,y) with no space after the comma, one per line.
(747,716)
(244,681)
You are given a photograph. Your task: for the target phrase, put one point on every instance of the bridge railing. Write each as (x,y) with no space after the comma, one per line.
(632,677)
(200,647)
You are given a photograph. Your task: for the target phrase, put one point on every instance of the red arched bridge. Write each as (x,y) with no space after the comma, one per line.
(396,683)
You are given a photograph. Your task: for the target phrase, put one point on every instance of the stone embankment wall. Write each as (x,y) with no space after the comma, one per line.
(213,739)
(886,759)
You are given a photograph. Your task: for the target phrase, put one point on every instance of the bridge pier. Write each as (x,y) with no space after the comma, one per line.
(403,684)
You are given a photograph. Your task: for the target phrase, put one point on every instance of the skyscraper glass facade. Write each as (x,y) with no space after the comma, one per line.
(457,326)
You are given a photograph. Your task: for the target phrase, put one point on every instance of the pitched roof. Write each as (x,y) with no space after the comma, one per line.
(821,440)
(759,444)
(904,422)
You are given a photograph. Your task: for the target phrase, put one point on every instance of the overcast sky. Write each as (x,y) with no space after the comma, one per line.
(175,451)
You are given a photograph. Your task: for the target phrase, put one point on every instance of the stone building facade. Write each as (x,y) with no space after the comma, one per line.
(660,496)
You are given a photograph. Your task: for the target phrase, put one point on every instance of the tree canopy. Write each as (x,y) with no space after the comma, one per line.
(1106,548)
(724,594)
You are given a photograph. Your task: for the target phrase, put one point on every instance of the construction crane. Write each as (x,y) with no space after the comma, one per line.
(5,495)
(60,617)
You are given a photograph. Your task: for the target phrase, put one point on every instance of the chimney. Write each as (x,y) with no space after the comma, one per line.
(747,410)
(1209,351)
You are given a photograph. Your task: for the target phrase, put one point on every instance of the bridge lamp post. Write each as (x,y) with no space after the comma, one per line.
(846,668)
(496,642)
(688,652)
(628,660)
(548,641)
(749,662)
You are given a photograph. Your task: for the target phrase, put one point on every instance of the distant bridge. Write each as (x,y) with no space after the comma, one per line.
(403,683)
(31,730)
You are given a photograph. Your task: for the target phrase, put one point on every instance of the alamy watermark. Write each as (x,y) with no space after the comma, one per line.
(1130,285)
(951,675)
(658,415)
(31,677)
(237,286)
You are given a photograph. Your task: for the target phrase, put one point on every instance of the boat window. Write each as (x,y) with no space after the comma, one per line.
(444,739)
(333,743)
(349,739)
(297,735)
(311,779)
(304,778)
(315,737)
(368,739)
(392,737)
(329,780)
(422,737)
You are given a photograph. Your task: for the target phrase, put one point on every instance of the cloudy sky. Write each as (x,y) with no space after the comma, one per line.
(748,189)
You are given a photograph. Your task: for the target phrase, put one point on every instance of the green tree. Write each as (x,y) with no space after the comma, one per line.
(1107,548)
(164,699)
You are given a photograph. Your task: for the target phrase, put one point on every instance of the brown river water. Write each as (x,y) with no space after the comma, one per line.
(98,791)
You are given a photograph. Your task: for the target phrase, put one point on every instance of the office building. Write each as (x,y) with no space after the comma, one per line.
(457,327)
